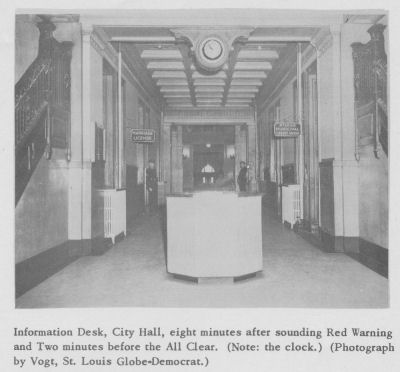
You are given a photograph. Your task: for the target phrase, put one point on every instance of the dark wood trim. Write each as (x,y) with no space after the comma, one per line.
(373,256)
(367,253)
(244,277)
(186,278)
(32,271)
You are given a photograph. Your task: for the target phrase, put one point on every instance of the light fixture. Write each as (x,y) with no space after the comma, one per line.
(186,152)
(230,151)
(208,145)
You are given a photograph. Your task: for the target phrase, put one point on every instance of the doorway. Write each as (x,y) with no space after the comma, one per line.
(208,157)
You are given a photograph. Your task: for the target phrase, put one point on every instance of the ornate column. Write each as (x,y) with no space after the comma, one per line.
(252,156)
(80,193)
(176,159)
(166,156)
(240,148)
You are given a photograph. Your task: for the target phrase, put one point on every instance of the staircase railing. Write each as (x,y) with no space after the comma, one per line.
(370,83)
(42,106)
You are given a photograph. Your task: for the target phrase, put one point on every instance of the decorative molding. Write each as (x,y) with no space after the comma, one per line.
(104,48)
(96,43)
(286,77)
(64,18)
(195,38)
(322,41)
(210,115)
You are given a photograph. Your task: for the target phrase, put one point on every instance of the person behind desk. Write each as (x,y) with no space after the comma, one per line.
(151,186)
(242,177)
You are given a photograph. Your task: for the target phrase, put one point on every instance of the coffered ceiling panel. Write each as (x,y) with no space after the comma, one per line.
(169,64)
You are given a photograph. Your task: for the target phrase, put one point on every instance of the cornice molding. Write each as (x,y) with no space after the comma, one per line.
(201,116)
(196,34)
(56,18)
(100,43)
(323,40)
(320,43)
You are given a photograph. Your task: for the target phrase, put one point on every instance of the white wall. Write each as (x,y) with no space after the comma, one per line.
(26,43)
(41,215)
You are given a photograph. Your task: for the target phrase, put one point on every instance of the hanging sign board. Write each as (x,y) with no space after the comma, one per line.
(286,129)
(143,135)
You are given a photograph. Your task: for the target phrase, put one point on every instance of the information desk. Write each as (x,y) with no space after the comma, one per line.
(214,234)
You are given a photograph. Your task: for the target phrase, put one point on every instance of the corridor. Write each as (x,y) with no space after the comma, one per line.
(133,273)
(119,113)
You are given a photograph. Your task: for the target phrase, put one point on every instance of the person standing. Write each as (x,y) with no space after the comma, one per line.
(242,177)
(151,186)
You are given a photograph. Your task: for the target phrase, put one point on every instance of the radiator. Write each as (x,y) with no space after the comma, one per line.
(114,213)
(291,204)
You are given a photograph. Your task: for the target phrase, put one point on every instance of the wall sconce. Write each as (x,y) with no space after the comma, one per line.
(230,151)
(186,152)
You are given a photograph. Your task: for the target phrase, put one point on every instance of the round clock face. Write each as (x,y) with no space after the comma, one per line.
(212,49)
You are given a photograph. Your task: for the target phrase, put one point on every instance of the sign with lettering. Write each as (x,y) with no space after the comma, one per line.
(143,135)
(286,129)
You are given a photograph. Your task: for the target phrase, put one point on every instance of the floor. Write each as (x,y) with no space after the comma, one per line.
(133,273)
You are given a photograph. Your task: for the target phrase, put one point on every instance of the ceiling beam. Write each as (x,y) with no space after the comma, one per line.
(212,82)
(209,94)
(176,95)
(236,105)
(161,54)
(249,74)
(177,105)
(165,65)
(287,39)
(187,63)
(168,74)
(172,82)
(174,89)
(241,81)
(240,95)
(251,54)
(231,67)
(218,75)
(259,65)
(143,39)
(209,88)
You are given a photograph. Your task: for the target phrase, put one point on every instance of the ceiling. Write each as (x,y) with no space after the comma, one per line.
(166,66)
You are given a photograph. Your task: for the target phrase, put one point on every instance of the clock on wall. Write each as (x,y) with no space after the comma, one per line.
(211,53)
(210,48)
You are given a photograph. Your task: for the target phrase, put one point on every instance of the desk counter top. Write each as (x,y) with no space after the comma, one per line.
(214,234)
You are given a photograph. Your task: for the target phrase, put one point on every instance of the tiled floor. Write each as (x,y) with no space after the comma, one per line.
(133,273)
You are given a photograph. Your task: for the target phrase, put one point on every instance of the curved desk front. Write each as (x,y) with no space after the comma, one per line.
(214,234)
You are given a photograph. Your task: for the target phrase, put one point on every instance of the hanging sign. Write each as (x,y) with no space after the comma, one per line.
(143,135)
(286,129)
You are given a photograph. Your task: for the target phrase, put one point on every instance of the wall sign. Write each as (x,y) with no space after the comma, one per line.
(143,135)
(286,129)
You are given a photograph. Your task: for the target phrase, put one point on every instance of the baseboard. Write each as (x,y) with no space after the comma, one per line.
(373,256)
(100,245)
(328,243)
(367,253)
(32,271)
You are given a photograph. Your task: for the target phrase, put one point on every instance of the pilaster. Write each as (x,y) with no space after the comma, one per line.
(252,156)
(240,148)
(80,193)
(166,156)
(176,159)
